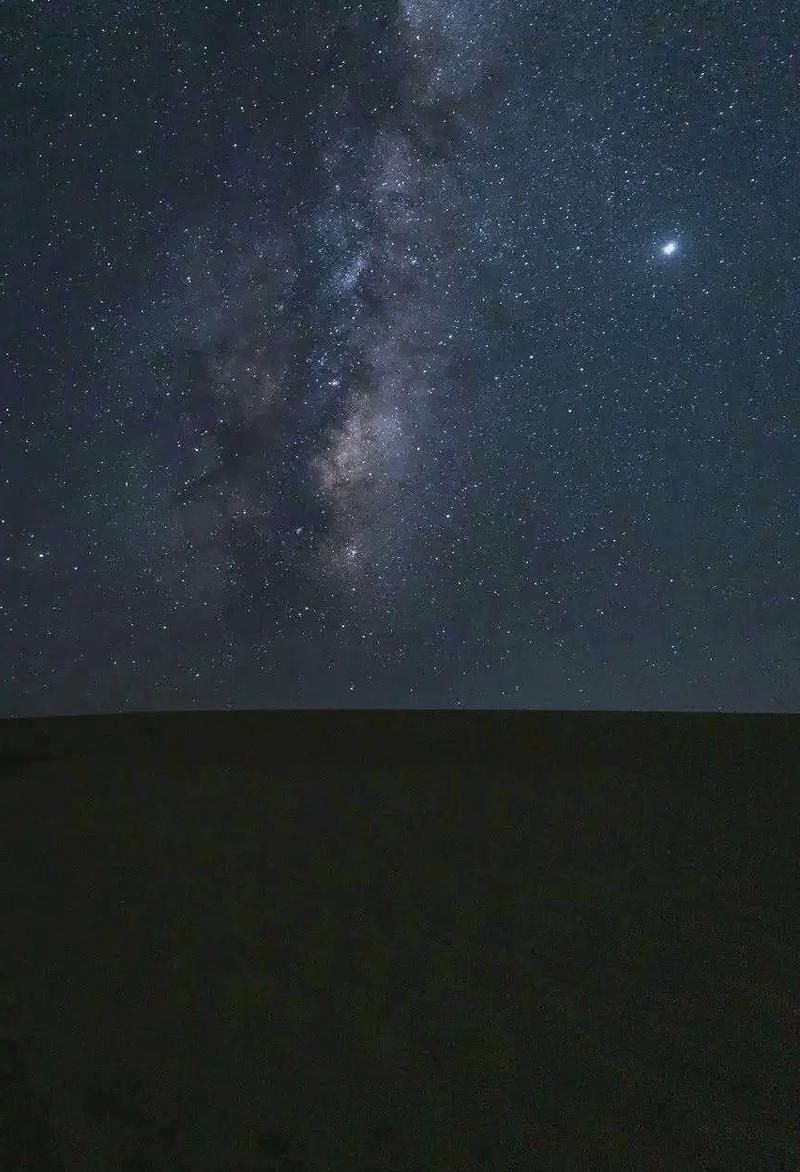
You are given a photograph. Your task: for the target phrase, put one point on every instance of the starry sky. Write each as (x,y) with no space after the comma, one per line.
(400,354)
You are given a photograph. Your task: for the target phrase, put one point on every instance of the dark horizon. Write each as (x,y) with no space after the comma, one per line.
(399,940)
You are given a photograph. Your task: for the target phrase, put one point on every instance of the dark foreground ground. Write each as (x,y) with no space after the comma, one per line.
(400,941)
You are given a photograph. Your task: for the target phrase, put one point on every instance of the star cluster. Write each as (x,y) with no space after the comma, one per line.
(397,354)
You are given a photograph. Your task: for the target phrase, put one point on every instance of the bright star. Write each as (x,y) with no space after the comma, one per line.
(669,248)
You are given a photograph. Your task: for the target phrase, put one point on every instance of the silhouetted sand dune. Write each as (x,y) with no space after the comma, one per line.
(401,940)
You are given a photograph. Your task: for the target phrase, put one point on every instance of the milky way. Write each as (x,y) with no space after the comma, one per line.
(310,348)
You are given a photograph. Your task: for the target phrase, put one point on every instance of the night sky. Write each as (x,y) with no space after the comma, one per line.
(410,354)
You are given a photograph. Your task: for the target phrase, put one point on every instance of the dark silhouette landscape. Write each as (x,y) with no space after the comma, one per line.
(400,940)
